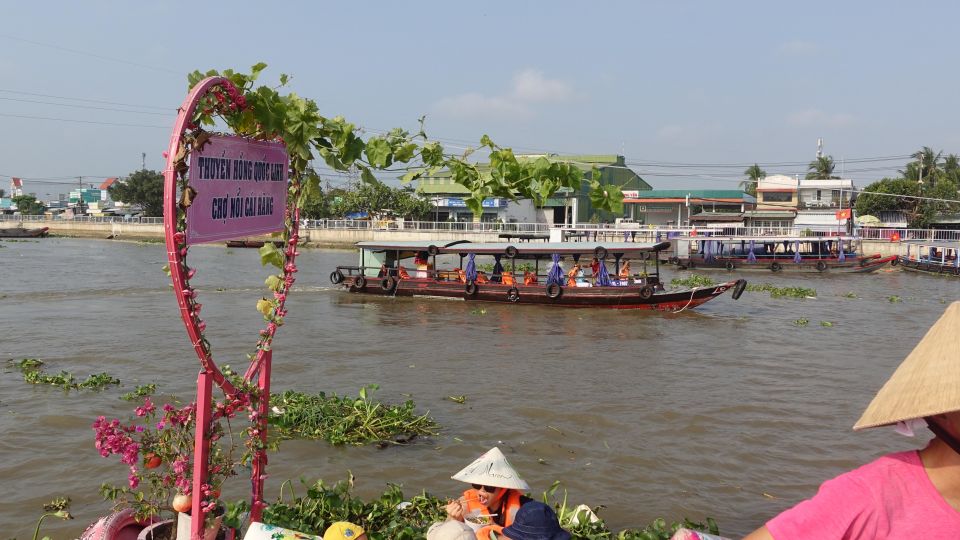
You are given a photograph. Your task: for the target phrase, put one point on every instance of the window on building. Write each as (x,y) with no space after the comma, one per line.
(777,196)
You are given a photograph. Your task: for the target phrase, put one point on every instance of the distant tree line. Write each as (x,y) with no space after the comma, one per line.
(930,175)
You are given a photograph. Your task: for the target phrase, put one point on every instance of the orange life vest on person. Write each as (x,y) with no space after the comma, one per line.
(482,278)
(529,278)
(507,278)
(509,504)
(402,273)
(625,270)
(461,275)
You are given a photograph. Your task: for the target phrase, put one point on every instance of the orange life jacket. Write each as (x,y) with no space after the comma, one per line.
(529,278)
(509,504)
(461,275)
(507,278)
(625,270)
(482,278)
(572,275)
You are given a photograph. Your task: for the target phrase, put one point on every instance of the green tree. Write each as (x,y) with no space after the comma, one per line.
(951,168)
(926,166)
(821,168)
(143,188)
(753,176)
(2,193)
(28,205)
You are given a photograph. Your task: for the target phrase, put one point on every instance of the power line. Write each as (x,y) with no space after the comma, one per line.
(80,121)
(5,91)
(90,54)
(83,106)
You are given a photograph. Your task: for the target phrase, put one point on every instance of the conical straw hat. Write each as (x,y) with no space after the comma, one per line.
(492,469)
(927,382)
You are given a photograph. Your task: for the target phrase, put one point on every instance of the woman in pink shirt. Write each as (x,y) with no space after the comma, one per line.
(905,495)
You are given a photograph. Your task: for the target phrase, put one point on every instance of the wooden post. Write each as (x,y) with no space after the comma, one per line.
(201,452)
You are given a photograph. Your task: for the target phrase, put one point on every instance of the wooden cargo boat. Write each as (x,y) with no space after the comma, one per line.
(411,269)
(20,232)
(938,257)
(818,254)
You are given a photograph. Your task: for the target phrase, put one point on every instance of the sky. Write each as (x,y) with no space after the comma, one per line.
(691,93)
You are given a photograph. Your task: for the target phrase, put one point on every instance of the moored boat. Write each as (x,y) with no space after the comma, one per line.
(818,254)
(526,273)
(21,232)
(938,257)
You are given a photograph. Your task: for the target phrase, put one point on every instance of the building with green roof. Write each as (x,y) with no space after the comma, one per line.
(688,206)
(565,206)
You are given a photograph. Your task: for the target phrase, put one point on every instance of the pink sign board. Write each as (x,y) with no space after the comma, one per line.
(241,189)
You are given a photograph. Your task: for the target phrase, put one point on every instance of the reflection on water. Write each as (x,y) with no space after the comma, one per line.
(730,411)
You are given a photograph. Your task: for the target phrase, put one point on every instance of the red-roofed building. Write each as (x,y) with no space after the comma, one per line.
(107,183)
(16,187)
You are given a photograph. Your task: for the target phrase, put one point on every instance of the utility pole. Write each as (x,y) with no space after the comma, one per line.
(819,147)
(143,161)
(80,196)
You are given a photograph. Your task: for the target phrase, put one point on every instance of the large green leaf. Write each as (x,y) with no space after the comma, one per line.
(378,153)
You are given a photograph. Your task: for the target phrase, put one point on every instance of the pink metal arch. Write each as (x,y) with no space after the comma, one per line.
(180,274)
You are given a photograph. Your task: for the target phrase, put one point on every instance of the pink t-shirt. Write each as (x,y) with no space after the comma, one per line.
(891,497)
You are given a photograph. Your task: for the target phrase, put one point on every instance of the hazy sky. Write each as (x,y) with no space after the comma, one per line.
(690,92)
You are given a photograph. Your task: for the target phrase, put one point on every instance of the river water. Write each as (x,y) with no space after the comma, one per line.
(730,411)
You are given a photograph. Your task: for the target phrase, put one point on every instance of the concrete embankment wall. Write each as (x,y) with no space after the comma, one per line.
(335,237)
(317,237)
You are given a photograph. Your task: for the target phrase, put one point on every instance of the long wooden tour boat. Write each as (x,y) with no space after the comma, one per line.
(817,254)
(524,273)
(21,232)
(938,257)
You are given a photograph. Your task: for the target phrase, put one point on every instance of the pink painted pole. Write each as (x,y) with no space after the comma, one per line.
(201,452)
(260,457)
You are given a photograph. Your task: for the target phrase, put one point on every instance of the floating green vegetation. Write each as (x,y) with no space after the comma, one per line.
(458,399)
(894,299)
(33,373)
(802,321)
(777,292)
(478,311)
(521,267)
(826,324)
(696,280)
(850,294)
(58,508)
(394,516)
(141,391)
(347,420)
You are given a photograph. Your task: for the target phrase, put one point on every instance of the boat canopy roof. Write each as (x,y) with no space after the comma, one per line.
(772,239)
(524,249)
(934,243)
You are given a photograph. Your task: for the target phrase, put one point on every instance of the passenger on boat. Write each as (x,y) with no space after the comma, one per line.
(495,496)
(529,278)
(461,275)
(402,273)
(507,279)
(536,521)
(422,261)
(344,530)
(595,267)
(384,271)
(482,277)
(451,529)
(625,269)
(573,274)
(914,494)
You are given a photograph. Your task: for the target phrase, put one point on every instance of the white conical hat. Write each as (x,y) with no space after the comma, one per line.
(927,382)
(492,469)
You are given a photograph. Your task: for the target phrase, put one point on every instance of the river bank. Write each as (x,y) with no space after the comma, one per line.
(735,410)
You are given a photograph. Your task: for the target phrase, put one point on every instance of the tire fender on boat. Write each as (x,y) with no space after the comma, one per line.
(432,249)
(739,288)
(513,294)
(360,282)
(730,266)
(775,267)
(511,252)
(388,283)
(554,290)
(471,288)
(646,292)
(821,266)
(674,260)
(336,277)
(895,262)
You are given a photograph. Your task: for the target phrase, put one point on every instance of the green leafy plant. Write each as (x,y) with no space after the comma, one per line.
(802,321)
(826,324)
(347,420)
(894,299)
(58,508)
(779,292)
(850,294)
(141,391)
(694,280)
(33,373)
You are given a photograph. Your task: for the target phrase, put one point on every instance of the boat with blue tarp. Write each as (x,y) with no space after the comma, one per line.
(570,274)
(940,257)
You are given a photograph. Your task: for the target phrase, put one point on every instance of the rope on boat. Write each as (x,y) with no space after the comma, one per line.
(692,292)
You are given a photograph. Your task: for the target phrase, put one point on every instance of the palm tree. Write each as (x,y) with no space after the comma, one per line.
(821,168)
(951,168)
(927,165)
(753,176)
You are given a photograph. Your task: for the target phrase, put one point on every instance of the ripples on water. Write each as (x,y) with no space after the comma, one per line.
(729,411)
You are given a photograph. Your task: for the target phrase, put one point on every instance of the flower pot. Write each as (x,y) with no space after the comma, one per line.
(184,521)
(161,530)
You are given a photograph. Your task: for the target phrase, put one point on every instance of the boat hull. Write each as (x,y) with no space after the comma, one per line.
(852,265)
(626,297)
(20,232)
(932,268)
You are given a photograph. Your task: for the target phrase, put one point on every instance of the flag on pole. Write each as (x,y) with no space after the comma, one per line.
(843,214)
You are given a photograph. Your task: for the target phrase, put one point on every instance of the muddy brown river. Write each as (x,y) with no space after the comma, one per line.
(731,411)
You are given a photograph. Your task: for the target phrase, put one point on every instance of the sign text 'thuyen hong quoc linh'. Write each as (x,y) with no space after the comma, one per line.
(241,189)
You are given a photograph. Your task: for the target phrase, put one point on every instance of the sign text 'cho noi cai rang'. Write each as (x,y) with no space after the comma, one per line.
(241,189)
